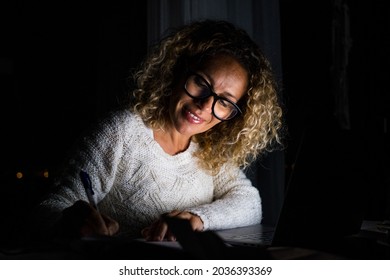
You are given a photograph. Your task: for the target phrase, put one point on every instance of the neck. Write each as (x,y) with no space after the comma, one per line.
(171,141)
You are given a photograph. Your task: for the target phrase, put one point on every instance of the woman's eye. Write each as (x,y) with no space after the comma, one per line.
(223,103)
(200,82)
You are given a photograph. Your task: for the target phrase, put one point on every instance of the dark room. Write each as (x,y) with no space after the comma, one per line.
(65,65)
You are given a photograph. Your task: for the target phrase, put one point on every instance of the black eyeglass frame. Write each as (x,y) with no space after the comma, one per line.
(214,95)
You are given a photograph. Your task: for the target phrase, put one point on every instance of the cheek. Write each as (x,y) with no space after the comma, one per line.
(175,100)
(213,123)
(179,97)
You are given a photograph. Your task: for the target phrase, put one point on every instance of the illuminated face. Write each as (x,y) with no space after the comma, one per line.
(222,80)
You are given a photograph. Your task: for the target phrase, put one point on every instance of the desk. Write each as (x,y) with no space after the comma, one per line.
(369,243)
(138,251)
(372,242)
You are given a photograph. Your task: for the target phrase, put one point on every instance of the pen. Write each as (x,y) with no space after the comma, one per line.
(86,180)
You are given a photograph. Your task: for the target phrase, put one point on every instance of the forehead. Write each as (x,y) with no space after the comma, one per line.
(218,61)
(226,75)
(223,66)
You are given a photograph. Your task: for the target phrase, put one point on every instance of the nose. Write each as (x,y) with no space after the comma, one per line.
(206,104)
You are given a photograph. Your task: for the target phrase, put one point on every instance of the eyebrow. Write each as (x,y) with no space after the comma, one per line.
(224,94)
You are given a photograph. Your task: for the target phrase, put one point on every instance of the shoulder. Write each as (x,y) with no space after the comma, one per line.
(118,117)
(112,128)
(230,172)
(118,121)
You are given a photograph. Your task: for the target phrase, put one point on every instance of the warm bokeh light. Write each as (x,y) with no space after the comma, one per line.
(19,175)
(46,173)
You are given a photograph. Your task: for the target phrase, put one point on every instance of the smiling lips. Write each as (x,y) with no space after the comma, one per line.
(193,118)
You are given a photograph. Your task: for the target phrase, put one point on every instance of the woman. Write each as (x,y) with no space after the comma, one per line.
(205,106)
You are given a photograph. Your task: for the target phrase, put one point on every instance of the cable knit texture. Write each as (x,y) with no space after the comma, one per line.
(135,181)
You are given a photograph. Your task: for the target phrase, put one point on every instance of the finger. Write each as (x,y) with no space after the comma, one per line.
(111,224)
(173,213)
(75,220)
(145,232)
(94,225)
(195,221)
(183,215)
(169,236)
(159,231)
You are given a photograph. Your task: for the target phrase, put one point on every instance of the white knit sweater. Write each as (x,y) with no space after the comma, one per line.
(135,181)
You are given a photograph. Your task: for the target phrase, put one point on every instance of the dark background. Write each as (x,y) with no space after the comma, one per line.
(64,65)
(353,163)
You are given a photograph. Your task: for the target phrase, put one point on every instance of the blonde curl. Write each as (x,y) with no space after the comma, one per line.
(238,141)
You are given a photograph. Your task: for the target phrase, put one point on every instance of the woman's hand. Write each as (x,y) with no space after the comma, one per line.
(82,220)
(159,229)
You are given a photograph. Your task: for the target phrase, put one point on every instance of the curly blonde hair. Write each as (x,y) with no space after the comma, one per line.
(238,141)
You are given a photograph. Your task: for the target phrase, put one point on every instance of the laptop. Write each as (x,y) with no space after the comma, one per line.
(257,235)
(323,205)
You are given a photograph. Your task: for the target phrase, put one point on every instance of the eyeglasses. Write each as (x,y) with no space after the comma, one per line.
(198,88)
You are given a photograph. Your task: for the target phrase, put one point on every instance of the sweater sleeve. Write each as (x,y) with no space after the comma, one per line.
(98,153)
(236,202)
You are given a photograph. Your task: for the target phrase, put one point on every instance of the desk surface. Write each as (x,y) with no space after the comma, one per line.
(370,243)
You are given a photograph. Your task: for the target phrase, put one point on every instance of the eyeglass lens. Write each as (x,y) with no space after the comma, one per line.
(197,87)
